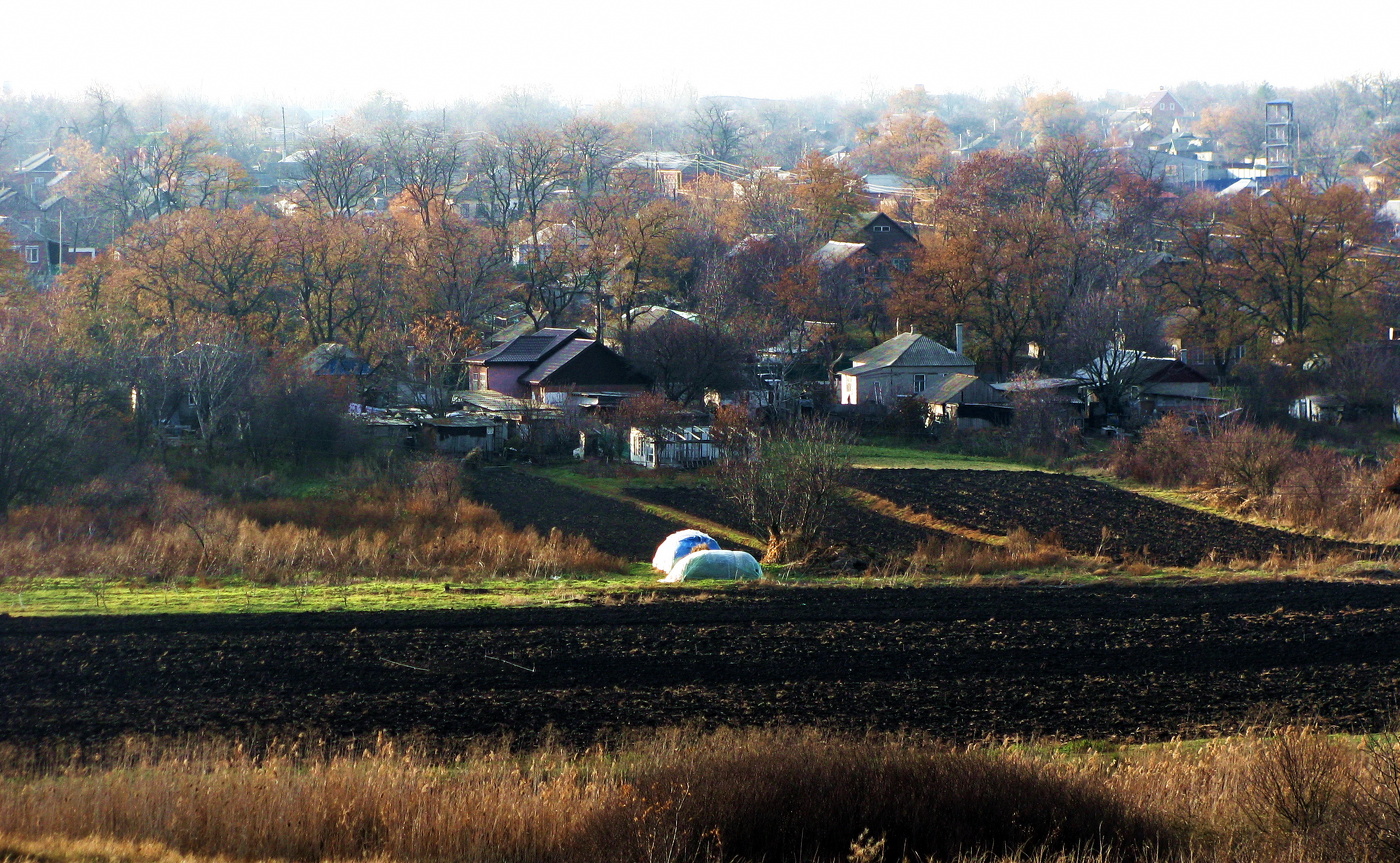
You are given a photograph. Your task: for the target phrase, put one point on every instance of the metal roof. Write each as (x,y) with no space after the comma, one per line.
(558,359)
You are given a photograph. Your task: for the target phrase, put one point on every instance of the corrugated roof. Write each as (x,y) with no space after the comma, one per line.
(907,349)
(946,388)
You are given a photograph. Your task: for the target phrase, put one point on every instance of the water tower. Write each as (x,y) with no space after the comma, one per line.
(1280,138)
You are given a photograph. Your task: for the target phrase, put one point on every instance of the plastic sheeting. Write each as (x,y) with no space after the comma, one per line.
(678,545)
(711,563)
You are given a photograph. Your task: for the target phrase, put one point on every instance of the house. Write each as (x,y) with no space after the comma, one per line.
(885,237)
(554,365)
(908,365)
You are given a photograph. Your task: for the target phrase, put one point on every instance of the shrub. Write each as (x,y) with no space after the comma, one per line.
(1249,459)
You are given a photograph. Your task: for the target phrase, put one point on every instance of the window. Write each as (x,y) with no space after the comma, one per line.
(881,229)
(878,393)
(918,384)
(31,254)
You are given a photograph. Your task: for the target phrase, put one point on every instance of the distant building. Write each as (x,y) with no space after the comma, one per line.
(906,366)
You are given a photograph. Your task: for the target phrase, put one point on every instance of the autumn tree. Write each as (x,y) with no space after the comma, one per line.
(829,195)
(202,265)
(1197,281)
(1302,260)
(342,275)
(14,274)
(912,144)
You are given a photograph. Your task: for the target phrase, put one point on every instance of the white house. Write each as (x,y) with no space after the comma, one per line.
(906,366)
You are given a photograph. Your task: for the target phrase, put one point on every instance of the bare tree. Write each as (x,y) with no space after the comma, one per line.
(518,175)
(214,373)
(786,481)
(426,164)
(717,132)
(341,173)
(685,358)
(49,398)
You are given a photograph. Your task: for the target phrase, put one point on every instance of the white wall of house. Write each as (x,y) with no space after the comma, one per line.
(887,386)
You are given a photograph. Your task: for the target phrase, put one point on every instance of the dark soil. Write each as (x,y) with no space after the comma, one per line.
(855,530)
(1089,516)
(612,526)
(960,663)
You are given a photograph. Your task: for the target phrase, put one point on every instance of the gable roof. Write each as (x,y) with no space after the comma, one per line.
(557,360)
(906,349)
(527,349)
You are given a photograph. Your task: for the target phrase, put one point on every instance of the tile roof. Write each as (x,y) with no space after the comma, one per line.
(529,349)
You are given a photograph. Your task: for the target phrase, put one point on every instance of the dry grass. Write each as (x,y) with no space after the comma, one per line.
(422,529)
(1286,794)
(727,796)
(960,557)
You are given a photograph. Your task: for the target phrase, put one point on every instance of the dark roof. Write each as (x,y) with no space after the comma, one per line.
(1162,370)
(528,349)
(556,361)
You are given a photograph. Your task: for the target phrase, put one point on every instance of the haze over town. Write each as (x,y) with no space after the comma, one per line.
(436,52)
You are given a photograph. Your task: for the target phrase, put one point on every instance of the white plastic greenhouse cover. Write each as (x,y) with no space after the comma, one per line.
(678,545)
(709,563)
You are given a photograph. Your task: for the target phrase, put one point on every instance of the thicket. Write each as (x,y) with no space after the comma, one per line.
(1265,470)
(1290,793)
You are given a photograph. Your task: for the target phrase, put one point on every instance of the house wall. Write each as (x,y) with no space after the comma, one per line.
(1193,389)
(887,386)
(505,379)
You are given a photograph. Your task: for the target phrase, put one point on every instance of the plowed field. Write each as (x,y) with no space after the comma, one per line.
(858,531)
(958,662)
(1089,516)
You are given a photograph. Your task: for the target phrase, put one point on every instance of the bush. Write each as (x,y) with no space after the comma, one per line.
(1248,459)
(1167,454)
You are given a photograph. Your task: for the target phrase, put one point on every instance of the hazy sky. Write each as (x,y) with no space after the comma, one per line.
(434,52)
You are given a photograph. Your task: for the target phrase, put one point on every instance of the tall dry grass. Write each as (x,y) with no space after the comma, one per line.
(1286,794)
(727,796)
(423,528)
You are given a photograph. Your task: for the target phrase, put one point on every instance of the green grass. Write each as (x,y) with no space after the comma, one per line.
(897,455)
(65,596)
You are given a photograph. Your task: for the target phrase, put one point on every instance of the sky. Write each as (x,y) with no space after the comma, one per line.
(436,52)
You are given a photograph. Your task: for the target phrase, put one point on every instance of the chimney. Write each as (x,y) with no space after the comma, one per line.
(958,337)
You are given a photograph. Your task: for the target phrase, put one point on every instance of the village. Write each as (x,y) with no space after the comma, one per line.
(1008,476)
